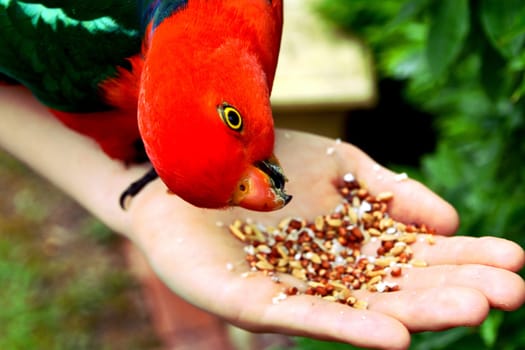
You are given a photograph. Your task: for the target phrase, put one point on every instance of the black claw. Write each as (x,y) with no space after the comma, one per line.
(135,187)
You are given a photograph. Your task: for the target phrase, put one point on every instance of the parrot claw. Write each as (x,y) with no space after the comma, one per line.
(135,187)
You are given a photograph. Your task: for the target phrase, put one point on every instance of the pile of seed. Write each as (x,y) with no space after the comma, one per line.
(326,253)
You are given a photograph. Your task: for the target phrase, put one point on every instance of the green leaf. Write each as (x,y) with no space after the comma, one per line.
(489,329)
(311,344)
(504,23)
(410,9)
(494,75)
(519,92)
(449,27)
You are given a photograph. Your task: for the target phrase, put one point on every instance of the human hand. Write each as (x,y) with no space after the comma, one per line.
(466,276)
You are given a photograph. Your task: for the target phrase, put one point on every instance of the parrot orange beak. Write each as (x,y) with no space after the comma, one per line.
(261,187)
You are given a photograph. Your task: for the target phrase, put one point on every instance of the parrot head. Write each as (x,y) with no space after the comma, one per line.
(207,125)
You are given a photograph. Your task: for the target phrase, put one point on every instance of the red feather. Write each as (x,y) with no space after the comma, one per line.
(116,131)
(204,55)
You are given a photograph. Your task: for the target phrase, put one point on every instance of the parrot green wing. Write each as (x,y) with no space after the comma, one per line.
(62,50)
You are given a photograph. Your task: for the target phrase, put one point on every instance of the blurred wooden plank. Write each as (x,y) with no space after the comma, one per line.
(319,68)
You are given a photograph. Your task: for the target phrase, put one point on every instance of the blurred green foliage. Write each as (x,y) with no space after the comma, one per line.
(463,63)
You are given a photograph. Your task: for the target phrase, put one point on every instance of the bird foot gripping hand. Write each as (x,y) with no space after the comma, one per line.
(135,187)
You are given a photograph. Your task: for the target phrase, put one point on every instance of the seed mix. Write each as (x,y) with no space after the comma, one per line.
(326,253)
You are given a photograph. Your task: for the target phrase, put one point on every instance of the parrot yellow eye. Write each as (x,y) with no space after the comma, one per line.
(230,116)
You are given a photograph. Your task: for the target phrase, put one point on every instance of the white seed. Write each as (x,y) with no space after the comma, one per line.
(280,297)
(348,177)
(400,177)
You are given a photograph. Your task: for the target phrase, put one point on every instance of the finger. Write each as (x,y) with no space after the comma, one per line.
(503,289)
(262,310)
(412,202)
(316,318)
(432,309)
(459,250)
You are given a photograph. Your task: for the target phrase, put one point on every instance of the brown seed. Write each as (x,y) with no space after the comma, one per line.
(282,250)
(397,249)
(348,279)
(367,218)
(374,273)
(360,304)
(264,265)
(321,291)
(374,232)
(263,248)
(385,223)
(330,298)
(291,291)
(309,291)
(385,261)
(326,252)
(418,263)
(356,284)
(385,196)
(237,232)
(352,216)
(356,232)
(362,193)
(396,271)
(315,258)
(431,239)
(334,222)
(282,262)
(403,258)
(299,274)
(258,235)
(388,237)
(408,238)
(373,281)
(394,288)
(319,223)
(351,301)
(387,245)
(410,228)
(330,234)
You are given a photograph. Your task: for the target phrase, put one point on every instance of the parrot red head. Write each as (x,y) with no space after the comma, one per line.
(206,122)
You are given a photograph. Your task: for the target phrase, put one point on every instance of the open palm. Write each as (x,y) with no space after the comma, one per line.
(190,249)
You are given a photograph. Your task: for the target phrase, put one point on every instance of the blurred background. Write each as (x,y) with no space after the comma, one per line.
(434,88)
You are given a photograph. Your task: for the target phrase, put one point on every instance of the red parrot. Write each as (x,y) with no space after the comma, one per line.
(183,84)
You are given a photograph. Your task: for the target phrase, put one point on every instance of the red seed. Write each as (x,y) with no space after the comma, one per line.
(396,271)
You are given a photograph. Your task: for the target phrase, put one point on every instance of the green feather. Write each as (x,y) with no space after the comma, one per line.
(123,12)
(63,50)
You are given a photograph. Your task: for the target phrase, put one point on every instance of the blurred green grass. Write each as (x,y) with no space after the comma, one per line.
(63,281)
